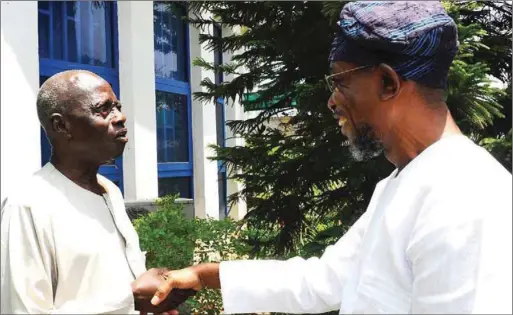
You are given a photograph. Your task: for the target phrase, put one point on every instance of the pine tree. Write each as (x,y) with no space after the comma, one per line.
(303,188)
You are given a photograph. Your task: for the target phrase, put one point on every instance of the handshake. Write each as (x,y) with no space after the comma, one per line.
(152,281)
(160,290)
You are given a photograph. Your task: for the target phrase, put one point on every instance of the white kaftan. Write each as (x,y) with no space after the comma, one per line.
(67,250)
(436,238)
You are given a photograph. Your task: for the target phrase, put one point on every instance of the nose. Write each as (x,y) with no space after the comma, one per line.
(331,103)
(119,117)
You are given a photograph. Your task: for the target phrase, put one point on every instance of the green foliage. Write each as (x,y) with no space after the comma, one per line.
(499,147)
(292,180)
(485,52)
(166,235)
(175,242)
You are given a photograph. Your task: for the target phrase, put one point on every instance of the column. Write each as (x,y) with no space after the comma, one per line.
(206,196)
(20,128)
(234,111)
(137,93)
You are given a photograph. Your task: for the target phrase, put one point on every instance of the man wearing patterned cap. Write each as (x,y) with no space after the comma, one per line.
(437,234)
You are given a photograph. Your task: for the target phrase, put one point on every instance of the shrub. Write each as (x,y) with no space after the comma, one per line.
(166,235)
(173,241)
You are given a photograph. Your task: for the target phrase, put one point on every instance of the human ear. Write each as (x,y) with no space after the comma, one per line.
(391,82)
(59,125)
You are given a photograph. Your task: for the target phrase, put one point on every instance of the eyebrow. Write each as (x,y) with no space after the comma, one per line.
(107,102)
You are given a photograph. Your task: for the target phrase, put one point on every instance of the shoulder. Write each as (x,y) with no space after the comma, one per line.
(464,188)
(31,189)
(457,168)
(474,177)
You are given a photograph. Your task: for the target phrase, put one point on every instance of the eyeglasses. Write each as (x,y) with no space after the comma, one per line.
(329,78)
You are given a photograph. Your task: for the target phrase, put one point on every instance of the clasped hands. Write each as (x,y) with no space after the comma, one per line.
(156,292)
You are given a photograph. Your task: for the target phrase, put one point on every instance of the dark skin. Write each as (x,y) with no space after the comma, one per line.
(396,110)
(402,118)
(90,132)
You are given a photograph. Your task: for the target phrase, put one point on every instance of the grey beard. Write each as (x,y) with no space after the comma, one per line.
(366,144)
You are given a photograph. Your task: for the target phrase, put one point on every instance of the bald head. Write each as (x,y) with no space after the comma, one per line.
(63,90)
(82,117)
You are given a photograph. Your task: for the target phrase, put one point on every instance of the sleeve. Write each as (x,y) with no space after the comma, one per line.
(26,278)
(292,286)
(461,255)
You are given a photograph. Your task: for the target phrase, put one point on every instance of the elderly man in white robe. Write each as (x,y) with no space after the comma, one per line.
(67,244)
(437,235)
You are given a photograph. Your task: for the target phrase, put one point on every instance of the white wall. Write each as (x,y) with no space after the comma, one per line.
(20,129)
(137,94)
(206,194)
(233,111)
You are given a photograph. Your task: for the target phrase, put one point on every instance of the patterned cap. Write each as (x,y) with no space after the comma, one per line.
(416,38)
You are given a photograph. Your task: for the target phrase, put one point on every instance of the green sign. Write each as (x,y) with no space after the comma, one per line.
(253,101)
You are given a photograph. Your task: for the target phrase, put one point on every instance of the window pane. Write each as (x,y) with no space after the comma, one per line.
(71,7)
(172,127)
(81,29)
(72,42)
(93,48)
(169,41)
(43,5)
(175,185)
(58,30)
(218,55)
(220,125)
(221,182)
(98,49)
(44,35)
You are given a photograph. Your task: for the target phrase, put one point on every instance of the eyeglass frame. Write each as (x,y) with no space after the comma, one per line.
(328,77)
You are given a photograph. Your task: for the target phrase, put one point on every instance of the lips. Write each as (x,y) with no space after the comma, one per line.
(121,134)
(341,121)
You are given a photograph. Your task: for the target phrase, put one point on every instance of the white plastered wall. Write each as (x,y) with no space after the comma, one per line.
(137,94)
(206,194)
(20,129)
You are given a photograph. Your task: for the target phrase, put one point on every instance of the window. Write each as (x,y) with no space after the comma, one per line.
(172,128)
(173,99)
(79,32)
(79,35)
(220,128)
(175,185)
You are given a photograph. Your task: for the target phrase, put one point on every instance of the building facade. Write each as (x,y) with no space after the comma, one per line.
(145,51)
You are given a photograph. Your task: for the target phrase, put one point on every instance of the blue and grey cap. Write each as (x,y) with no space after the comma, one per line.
(417,39)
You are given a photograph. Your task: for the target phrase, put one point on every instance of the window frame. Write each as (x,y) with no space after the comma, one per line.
(171,85)
(48,67)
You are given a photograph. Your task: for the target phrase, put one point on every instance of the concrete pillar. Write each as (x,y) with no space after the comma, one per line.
(206,196)
(233,111)
(137,94)
(20,128)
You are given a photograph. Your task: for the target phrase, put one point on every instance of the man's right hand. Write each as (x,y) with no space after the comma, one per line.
(196,277)
(145,286)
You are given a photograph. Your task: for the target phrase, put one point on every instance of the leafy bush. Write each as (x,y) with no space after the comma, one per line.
(166,235)
(173,241)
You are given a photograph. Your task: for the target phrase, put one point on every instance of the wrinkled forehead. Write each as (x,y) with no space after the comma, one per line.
(341,66)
